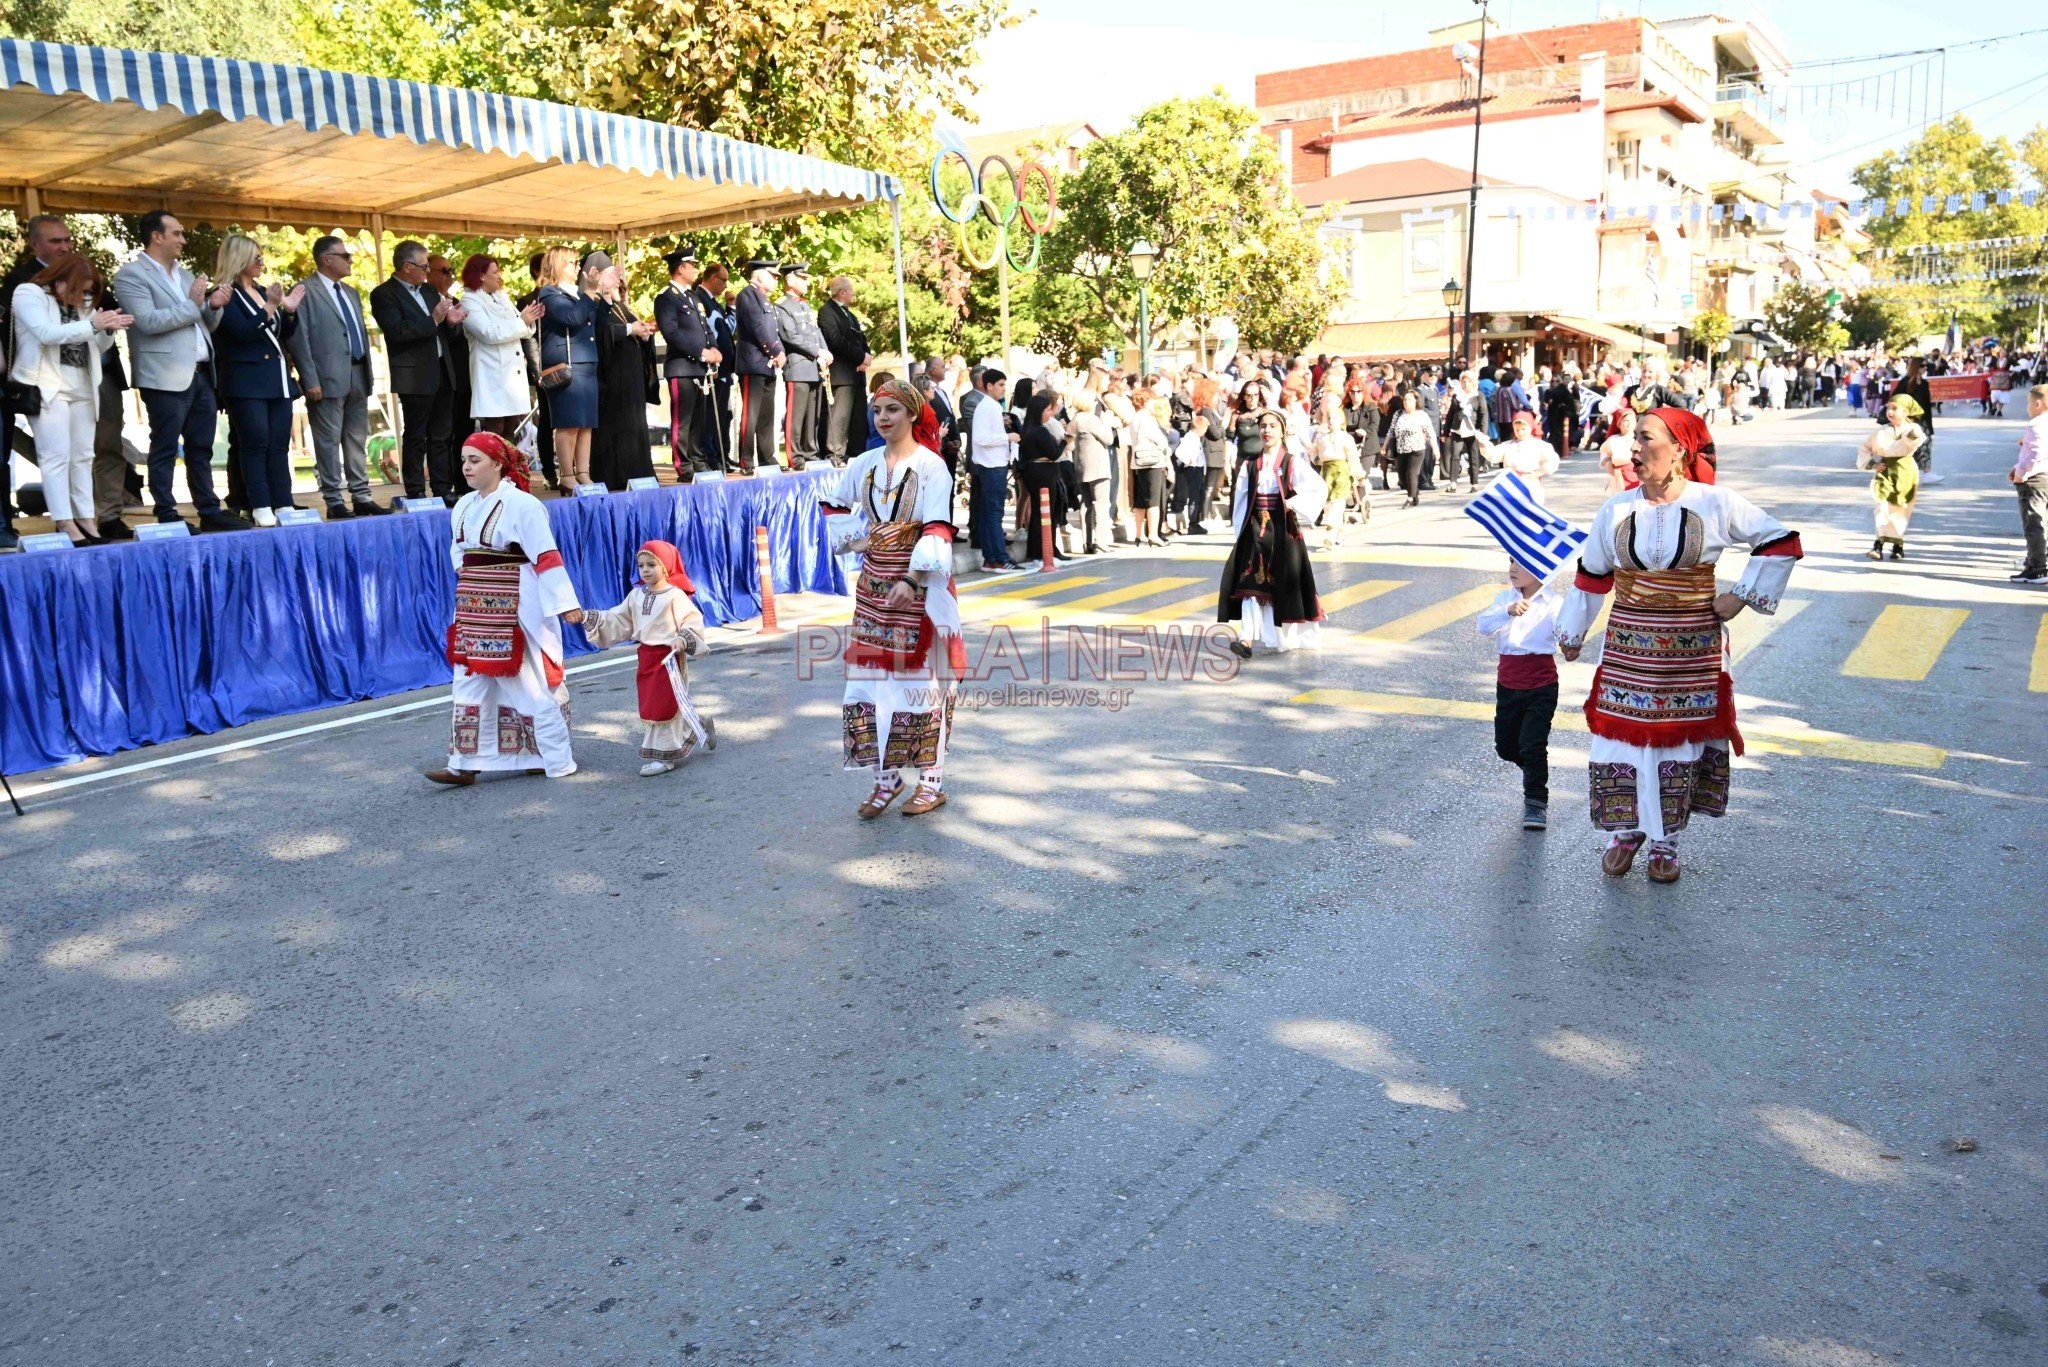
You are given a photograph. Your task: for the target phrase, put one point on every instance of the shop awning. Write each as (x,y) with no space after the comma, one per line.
(1622,338)
(111,130)
(1402,339)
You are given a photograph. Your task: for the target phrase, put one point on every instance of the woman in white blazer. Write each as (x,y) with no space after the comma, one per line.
(58,338)
(498,397)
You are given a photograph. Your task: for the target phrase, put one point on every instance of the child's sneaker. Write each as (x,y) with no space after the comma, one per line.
(1535,816)
(655,766)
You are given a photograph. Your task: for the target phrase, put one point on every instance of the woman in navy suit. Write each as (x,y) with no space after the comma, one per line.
(568,338)
(255,378)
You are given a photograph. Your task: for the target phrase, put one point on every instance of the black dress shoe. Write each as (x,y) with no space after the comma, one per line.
(221,520)
(114,529)
(369,508)
(10,540)
(337,511)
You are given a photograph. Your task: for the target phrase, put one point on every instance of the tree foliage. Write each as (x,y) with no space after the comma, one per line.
(211,28)
(1886,317)
(1710,328)
(1193,178)
(1802,315)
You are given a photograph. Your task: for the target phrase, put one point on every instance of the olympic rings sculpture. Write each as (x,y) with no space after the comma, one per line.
(976,203)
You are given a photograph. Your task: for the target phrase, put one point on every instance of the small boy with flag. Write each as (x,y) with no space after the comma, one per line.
(1523,624)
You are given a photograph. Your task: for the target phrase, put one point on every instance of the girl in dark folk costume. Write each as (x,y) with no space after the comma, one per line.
(1269,589)
(511,597)
(906,650)
(1662,709)
(660,616)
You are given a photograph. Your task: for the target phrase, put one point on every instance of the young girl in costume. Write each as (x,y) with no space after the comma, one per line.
(660,615)
(1889,451)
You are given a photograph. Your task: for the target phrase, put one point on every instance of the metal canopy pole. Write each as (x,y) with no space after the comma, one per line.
(902,310)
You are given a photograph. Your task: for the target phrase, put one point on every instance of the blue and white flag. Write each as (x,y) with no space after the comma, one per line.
(1534,537)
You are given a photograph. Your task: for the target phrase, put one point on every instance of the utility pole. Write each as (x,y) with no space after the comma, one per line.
(1472,199)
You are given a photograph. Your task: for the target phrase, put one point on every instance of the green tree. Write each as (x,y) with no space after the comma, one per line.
(1710,328)
(1801,315)
(1887,317)
(210,28)
(1191,177)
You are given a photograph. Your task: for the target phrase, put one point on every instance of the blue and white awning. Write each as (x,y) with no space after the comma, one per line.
(107,128)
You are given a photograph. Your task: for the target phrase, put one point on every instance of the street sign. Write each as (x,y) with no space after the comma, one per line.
(1688,300)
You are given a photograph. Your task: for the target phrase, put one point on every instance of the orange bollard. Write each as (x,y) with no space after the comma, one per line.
(765,566)
(1045,562)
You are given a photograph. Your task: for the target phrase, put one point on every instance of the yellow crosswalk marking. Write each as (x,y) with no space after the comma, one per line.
(1008,582)
(1764,736)
(1035,588)
(1336,600)
(1109,598)
(1436,616)
(1904,642)
(2037,677)
(1748,631)
(1200,608)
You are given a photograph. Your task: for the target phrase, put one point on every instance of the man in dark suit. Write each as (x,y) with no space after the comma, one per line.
(455,348)
(846,422)
(410,312)
(759,361)
(714,418)
(942,404)
(805,360)
(691,358)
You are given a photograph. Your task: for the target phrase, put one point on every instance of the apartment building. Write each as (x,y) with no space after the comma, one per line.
(1597,141)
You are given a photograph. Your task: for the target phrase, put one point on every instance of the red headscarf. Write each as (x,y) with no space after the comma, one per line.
(671,560)
(1692,437)
(925,430)
(504,454)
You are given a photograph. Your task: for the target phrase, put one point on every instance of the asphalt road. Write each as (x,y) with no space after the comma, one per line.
(1240,1024)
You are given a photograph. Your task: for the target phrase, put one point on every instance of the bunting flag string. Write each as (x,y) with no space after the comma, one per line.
(1856,210)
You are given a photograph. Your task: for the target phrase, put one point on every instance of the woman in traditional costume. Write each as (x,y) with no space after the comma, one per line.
(1269,589)
(511,597)
(1889,451)
(660,615)
(1662,709)
(905,649)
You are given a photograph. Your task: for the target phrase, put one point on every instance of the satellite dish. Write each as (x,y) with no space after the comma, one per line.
(1462,51)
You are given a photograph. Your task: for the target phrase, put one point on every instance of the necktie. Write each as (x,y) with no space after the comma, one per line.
(350,325)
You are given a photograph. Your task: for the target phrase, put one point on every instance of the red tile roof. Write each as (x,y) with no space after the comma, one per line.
(1390,180)
(1530,102)
(1504,52)
(1650,99)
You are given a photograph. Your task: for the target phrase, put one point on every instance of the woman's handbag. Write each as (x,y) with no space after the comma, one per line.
(25,399)
(555,376)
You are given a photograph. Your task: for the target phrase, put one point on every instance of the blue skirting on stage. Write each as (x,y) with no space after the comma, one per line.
(106,649)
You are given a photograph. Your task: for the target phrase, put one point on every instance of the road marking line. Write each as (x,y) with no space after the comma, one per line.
(2037,676)
(1434,617)
(1748,631)
(977,585)
(1763,736)
(1904,642)
(1107,599)
(1201,607)
(1336,600)
(1034,590)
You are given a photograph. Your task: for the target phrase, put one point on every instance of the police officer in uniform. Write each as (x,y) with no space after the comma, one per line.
(805,361)
(758,344)
(691,358)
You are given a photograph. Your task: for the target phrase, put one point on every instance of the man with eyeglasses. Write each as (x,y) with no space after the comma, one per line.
(331,347)
(47,240)
(410,312)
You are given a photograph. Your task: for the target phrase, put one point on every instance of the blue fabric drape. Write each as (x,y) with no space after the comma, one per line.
(107,649)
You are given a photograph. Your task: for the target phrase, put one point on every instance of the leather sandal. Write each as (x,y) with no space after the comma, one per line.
(454,778)
(1620,858)
(878,802)
(1663,866)
(924,800)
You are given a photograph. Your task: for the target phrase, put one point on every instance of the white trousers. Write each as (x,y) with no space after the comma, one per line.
(64,432)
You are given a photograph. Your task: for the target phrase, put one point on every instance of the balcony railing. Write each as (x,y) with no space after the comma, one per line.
(1766,108)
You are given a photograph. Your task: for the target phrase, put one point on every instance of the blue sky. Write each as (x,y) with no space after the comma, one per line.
(1082,59)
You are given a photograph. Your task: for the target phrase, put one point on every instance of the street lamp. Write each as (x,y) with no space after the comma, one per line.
(1143,257)
(1454,299)
(1472,198)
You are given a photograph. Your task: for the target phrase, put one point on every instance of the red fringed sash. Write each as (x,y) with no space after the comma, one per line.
(485,637)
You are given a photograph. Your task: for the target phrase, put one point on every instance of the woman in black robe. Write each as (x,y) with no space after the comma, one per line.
(619,448)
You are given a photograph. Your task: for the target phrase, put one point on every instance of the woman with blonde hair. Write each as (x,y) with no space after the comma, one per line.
(568,362)
(255,379)
(59,334)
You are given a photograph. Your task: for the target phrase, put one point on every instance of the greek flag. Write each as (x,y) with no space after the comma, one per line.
(1534,537)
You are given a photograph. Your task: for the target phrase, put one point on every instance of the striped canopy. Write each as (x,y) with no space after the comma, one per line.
(225,141)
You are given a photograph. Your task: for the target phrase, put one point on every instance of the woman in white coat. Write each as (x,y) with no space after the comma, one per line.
(58,338)
(497,330)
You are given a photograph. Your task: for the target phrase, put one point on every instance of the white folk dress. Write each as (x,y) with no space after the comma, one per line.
(668,628)
(901,663)
(1533,458)
(1272,564)
(1662,708)
(510,709)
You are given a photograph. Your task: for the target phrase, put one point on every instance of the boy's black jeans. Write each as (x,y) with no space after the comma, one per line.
(1521,734)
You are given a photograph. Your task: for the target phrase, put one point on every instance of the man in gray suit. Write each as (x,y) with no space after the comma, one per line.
(804,347)
(331,347)
(171,349)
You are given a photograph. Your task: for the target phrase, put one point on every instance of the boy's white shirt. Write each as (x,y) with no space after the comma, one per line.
(1532,633)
